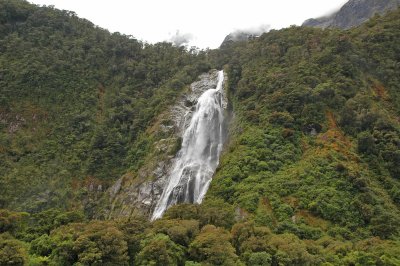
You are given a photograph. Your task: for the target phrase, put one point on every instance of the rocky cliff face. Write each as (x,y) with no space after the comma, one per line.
(244,35)
(353,13)
(238,36)
(138,193)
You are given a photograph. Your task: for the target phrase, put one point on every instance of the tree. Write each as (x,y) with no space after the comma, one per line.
(12,221)
(212,246)
(260,259)
(42,246)
(101,243)
(95,243)
(217,212)
(64,238)
(366,143)
(181,232)
(290,250)
(183,211)
(134,230)
(159,250)
(12,251)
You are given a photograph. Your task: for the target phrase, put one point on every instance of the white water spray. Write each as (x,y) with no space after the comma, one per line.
(199,156)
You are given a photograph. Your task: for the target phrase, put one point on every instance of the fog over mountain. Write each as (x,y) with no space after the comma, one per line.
(207,21)
(353,13)
(121,144)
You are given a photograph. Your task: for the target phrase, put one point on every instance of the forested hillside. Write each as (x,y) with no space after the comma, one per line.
(74,100)
(310,174)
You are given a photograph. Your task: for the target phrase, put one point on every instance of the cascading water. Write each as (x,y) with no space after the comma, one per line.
(199,156)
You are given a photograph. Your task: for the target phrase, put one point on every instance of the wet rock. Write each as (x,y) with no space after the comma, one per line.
(114,189)
(139,193)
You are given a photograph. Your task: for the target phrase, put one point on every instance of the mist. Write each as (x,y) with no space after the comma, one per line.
(257,31)
(180,39)
(200,23)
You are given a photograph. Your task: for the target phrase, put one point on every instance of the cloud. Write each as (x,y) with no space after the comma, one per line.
(180,39)
(239,33)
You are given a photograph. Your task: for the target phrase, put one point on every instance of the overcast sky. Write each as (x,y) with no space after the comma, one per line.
(205,22)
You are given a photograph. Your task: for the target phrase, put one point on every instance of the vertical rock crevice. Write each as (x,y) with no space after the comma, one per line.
(139,193)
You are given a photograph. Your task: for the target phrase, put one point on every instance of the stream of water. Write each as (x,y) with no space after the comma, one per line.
(198,158)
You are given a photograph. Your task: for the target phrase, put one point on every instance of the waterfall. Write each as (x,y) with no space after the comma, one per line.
(198,158)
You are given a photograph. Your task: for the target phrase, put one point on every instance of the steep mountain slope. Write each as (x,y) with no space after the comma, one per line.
(318,130)
(315,149)
(138,192)
(243,35)
(310,174)
(353,13)
(74,101)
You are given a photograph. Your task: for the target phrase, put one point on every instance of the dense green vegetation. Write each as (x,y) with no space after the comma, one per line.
(310,174)
(74,100)
(315,147)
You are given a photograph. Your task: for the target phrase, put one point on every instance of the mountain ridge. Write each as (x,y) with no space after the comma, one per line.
(353,13)
(309,174)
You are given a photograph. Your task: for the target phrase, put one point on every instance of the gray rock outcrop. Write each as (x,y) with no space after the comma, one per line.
(138,193)
(353,13)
